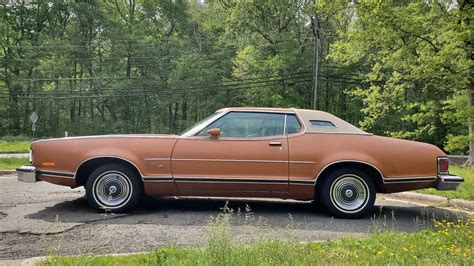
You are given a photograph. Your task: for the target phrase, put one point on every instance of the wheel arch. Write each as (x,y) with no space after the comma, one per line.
(88,166)
(372,171)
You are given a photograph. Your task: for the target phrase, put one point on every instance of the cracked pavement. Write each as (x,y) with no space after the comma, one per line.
(44,219)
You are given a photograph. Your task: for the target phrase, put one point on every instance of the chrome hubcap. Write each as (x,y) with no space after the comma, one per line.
(112,189)
(349,193)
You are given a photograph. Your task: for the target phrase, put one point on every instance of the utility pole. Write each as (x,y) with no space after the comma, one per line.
(315,24)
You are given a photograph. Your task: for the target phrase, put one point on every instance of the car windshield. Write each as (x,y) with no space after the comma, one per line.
(198,126)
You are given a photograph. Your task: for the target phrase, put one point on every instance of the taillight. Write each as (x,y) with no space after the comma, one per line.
(443,165)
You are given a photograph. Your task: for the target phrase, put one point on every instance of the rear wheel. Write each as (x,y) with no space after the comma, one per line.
(348,193)
(113,187)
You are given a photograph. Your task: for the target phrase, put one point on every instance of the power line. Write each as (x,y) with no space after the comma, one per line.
(97,58)
(118,78)
(188,87)
(162,93)
(225,83)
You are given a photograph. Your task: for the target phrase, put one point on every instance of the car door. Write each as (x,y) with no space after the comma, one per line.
(250,155)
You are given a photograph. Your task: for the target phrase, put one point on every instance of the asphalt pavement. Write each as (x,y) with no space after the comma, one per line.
(44,219)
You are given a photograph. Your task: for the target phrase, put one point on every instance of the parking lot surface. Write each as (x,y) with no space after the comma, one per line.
(44,219)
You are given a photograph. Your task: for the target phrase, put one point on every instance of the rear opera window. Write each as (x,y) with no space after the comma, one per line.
(321,123)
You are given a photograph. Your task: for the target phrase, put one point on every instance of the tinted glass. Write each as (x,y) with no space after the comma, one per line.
(187,132)
(322,123)
(292,124)
(248,125)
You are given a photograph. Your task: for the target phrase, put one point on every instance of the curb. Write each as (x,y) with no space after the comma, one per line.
(433,200)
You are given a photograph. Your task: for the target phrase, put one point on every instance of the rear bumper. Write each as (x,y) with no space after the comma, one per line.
(27,173)
(448,182)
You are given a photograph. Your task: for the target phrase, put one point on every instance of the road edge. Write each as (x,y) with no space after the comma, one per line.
(465,206)
(7,172)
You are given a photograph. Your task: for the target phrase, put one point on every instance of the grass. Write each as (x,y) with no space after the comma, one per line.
(12,163)
(451,243)
(467,188)
(14,144)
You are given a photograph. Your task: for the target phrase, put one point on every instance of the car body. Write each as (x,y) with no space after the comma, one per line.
(244,152)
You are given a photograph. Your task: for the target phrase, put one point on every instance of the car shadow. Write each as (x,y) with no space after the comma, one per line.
(196,211)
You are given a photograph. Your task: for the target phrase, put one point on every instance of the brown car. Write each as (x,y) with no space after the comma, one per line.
(244,152)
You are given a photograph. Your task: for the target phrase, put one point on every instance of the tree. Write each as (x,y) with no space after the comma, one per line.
(415,59)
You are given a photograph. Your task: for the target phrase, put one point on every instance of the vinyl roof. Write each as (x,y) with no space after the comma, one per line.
(311,119)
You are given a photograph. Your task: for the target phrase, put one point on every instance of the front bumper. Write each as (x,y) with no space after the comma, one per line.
(448,182)
(26,173)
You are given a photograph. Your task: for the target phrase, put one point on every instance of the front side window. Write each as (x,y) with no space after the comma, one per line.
(248,125)
(189,131)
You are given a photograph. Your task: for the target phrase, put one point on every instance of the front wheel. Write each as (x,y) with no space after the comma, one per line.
(348,193)
(113,187)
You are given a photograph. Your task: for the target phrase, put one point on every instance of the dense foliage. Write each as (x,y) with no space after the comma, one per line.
(399,68)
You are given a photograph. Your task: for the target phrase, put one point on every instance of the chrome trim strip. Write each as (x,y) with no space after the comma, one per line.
(243,161)
(243,181)
(341,133)
(228,180)
(230,160)
(54,173)
(58,176)
(250,110)
(108,156)
(112,136)
(348,161)
(157,159)
(170,178)
(410,179)
(308,182)
(158,181)
(302,184)
(302,162)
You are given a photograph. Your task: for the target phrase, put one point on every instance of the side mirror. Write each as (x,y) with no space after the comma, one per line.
(214,133)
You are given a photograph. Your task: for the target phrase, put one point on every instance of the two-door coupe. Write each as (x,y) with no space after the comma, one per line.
(244,152)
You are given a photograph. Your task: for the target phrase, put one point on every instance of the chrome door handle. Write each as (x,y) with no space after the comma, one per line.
(274,143)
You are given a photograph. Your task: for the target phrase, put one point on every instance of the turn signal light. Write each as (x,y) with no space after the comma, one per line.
(48,163)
